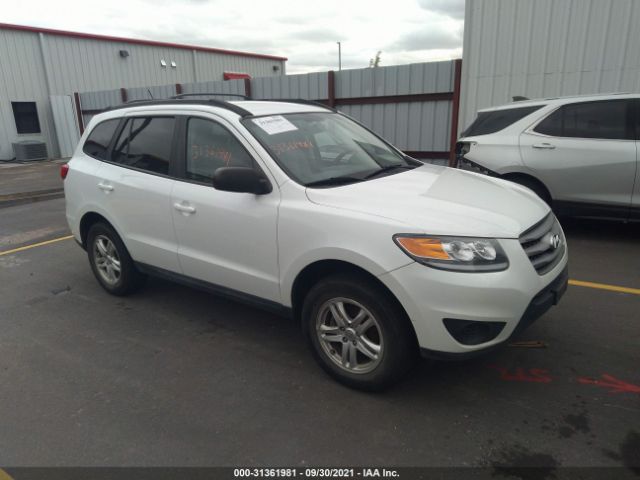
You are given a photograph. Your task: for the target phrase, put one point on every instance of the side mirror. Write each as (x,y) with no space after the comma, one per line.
(241,180)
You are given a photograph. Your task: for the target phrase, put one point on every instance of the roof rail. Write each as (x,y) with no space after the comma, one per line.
(179,100)
(298,100)
(184,95)
(173,101)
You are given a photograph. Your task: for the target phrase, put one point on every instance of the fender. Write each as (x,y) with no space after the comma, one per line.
(291,271)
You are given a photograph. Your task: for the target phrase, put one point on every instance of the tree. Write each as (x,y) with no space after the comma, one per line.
(375,62)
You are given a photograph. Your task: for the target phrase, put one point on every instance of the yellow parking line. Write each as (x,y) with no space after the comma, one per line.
(4,475)
(34,245)
(604,286)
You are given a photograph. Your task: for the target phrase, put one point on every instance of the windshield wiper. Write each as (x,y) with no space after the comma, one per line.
(389,168)
(333,181)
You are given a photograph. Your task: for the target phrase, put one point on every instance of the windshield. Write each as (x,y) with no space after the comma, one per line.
(325,148)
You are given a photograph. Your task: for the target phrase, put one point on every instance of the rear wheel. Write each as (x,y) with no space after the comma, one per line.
(111,263)
(357,333)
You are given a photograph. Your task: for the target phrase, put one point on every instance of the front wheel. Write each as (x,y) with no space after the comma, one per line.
(357,333)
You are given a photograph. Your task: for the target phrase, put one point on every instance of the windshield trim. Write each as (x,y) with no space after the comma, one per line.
(289,174)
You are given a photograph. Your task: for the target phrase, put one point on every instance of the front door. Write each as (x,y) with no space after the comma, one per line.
(224,238)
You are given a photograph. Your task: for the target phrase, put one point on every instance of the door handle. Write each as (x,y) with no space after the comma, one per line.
(105,187)
(186,209)
(544,146)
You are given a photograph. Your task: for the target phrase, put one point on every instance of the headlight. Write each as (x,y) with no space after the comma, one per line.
(461,254)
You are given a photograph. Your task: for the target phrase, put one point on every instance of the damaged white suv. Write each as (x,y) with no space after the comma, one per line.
(579,153)
(297,208)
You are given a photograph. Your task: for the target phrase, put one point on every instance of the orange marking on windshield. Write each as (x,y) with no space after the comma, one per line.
(280,148)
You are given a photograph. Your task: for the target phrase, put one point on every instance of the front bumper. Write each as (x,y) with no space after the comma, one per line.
(513,299)
(543,301)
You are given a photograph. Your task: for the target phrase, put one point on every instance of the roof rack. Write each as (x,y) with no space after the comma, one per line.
(177,101)
(181,100)
(184,95)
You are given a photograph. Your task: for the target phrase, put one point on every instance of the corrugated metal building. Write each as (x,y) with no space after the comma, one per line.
(40,63)
(547,48)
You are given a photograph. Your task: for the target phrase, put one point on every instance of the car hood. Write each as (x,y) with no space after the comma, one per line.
(441,201)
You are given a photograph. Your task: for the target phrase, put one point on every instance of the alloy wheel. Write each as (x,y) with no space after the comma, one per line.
(106,259)
(350,335)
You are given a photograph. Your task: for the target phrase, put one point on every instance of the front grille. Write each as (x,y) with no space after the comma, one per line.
(538,244)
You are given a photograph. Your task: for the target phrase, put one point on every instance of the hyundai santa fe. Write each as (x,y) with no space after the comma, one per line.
(579,154)
(295,207)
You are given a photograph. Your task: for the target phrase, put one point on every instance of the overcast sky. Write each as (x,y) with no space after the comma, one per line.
(305,31)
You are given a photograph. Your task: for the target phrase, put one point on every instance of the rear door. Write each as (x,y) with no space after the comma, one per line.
(136,188)
(585,153)
(227,239)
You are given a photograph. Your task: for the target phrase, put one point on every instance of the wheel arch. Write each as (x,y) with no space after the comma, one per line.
(314,272)
(90,218)
(527,177)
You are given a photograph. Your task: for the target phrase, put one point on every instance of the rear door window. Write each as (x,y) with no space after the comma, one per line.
(602,119)
(97,143)
(145,143)
(496,120)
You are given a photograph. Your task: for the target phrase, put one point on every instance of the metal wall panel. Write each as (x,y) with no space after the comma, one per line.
(22,79)
(87,65)
(415,126)
(547,48)
(212,66)
(66,124)
(96,101)
(151,93)
(233,87)
(310,86)
(422,126)
(39,65)
(100,100)
(432,77)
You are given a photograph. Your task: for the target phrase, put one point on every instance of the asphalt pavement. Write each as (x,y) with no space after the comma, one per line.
(28,182)
(176,377)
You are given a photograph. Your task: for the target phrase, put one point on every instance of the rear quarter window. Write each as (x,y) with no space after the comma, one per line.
(496,120)
(97,143)
(610,120)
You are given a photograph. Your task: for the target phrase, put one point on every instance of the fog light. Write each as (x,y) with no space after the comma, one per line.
(469,332)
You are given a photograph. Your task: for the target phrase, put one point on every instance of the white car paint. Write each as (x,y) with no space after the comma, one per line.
(259,244)
(582,174)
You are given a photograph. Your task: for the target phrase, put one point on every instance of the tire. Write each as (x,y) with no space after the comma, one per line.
(107,253)
(389,329)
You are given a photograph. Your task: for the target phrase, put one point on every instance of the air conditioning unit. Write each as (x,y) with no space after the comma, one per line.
(28,150)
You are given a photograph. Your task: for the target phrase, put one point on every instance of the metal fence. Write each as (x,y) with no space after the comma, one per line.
(412,106)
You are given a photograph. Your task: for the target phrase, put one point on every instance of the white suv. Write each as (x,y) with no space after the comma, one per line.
(295,207)
(580,154)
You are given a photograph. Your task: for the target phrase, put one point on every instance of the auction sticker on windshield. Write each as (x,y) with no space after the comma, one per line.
(274,124)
